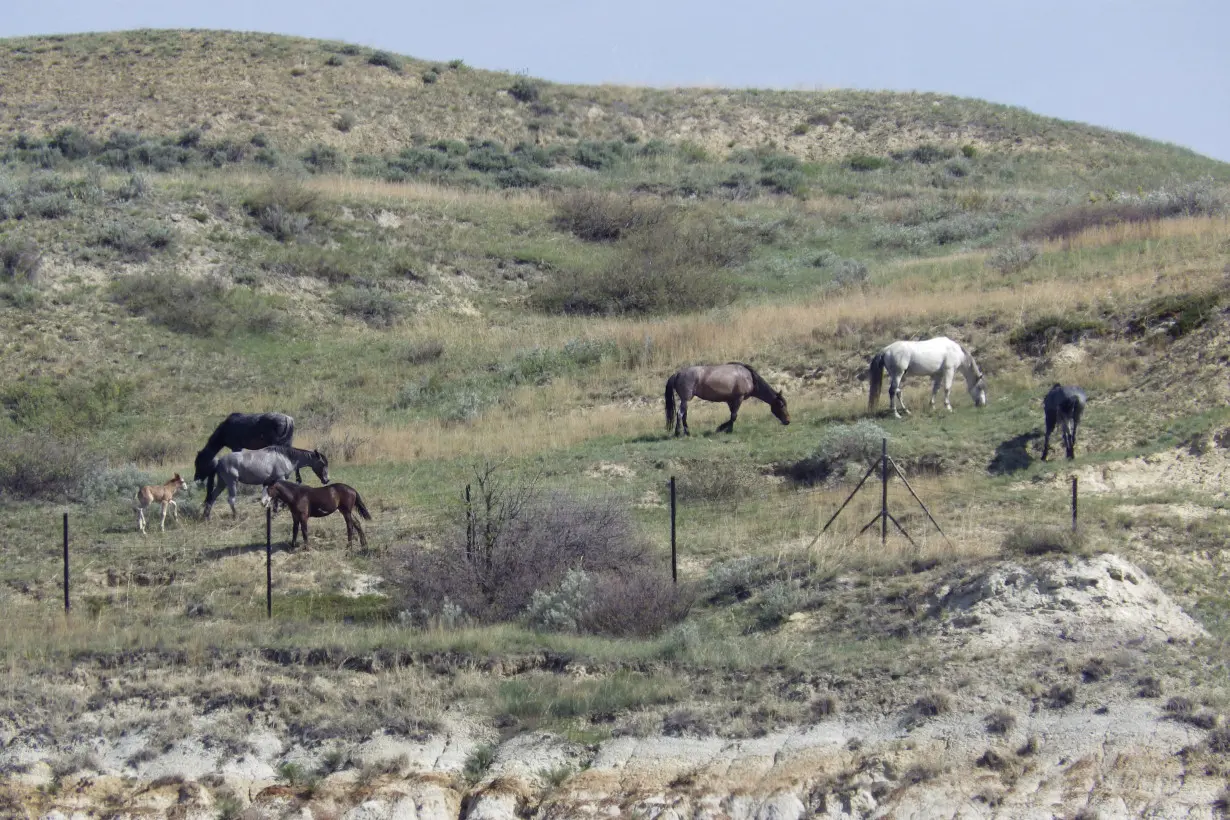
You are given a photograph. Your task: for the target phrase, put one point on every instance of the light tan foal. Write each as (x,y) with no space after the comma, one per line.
(164,494)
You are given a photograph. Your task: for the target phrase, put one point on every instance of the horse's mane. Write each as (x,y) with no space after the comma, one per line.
(972,361)
(757,379)
(289,451)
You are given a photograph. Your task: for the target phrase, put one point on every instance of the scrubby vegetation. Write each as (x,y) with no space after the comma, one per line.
(494,275)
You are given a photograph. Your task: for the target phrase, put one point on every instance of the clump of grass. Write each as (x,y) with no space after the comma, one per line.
(1040,540)
(43,467)
(932,703)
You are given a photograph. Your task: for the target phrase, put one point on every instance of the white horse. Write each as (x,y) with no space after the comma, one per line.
(940,358)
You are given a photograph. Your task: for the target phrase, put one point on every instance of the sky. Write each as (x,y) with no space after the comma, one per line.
(1157,69)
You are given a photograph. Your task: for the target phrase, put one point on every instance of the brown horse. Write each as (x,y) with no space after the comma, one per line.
(316,502)
(732,383)
(164,494)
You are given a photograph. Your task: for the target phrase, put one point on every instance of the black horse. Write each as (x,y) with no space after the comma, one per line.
(243,431)
(1063,406)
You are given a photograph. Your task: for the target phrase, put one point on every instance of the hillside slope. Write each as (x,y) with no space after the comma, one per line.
(295,90)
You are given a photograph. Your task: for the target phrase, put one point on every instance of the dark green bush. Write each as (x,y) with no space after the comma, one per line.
(601,217)
(866,162)
(525,90)
(385,60)
(67,406)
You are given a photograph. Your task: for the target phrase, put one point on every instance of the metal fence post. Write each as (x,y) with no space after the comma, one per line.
(66,604)
(268,562)
(674,553)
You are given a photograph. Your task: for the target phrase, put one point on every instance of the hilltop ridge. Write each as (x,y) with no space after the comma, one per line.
(303,92)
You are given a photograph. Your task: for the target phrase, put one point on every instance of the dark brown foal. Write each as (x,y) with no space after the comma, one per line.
(316,502)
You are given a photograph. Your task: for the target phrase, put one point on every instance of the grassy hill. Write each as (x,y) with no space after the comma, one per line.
(454,278)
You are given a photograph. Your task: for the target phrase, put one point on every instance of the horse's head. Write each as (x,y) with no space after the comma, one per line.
(179,482)
(320,466)
(778,406)
(205,465)
(978,391)
(270,491)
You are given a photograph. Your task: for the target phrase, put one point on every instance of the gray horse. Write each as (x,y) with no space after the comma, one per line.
(262,467)
(1063,406)
(731,383)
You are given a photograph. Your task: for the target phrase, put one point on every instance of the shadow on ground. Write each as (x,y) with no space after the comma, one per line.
(1013,455)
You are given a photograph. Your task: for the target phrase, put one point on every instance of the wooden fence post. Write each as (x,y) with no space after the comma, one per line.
(674,553)
(66,604)
(269,562)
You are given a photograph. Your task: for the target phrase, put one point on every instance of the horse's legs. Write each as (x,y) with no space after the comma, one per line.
(141,519)
(948,375)
(682,418)
(162,525)
(895,383)
(174,509)
(936,380)
(1050,428)
(729,425)
(352,523)
(232,492)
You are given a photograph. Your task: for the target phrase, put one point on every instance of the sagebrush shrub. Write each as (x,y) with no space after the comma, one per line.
(860,444)
(517,541)
(376,307)
(1040,540)
(201,307)
(44,467)
(385,59)
(20,260)
(524,89)
(1011,259)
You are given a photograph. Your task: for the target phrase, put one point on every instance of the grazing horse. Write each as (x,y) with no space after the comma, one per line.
(164,494)
(243,431)
(1065,406)
(732,383)
(939,358)
(316,502)
(261,467)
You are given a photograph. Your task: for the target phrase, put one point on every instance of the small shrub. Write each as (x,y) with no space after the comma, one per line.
(374,306)
(136,242)
(283,197)
(1095,669)
(335,60)
(20,261)
(281,224)
(135,187)
(201,307)
(738,579)
(1218,740)
(927,154)
(422,352)
(599,217)
(524,89)
(155,448)
(37,466)
(1000,722)
(477,763)
(866,162)
(846,272)
(1012,258)
(385,59)
(345,121)
(1058,696)
(722,482)
(515,542)
(778,602)
(932,703)
(1150,687)
(110,485)
(1042,335)
(324,159)
(859,444)
(1180,313)
(1041,540)
(562,609)
(969,151)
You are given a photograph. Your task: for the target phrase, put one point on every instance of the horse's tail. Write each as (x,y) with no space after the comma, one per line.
(361,507)
(670,401)
(875,379)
